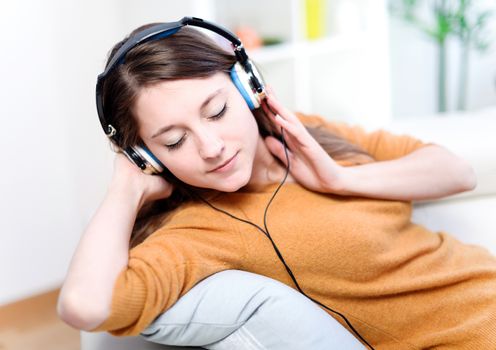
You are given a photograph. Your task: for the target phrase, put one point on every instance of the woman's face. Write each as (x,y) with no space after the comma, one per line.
(201,129)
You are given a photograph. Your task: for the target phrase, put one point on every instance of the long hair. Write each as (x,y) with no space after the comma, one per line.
(186,54)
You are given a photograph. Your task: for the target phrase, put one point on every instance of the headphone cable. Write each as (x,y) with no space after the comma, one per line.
(266,232)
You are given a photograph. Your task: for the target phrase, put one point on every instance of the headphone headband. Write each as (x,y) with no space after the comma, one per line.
(163,30)
(156,32)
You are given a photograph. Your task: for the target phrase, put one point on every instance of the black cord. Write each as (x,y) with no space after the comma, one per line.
(266,232)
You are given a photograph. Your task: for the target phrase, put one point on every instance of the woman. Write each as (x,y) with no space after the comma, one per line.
(342,219)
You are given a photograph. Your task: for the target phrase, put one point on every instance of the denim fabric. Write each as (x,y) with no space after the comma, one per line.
(241,310)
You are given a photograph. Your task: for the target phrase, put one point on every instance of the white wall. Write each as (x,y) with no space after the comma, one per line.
(54,160)
(414,72)
(136,13)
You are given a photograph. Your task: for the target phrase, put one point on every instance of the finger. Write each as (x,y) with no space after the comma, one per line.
(270,90)
(292,143)
(279,108)
(277,149)
(291,128)
(268,112)
(289,143)
(296,132)
(292,125)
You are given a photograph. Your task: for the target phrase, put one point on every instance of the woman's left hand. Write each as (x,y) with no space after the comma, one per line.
(310,164)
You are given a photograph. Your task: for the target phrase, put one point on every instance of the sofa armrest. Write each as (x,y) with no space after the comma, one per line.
(106,341)
(469,218)
(469,135)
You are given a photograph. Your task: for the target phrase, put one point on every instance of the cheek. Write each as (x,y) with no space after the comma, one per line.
(183,170)
(175,162)
(251,129)
(245,116)
(181,163)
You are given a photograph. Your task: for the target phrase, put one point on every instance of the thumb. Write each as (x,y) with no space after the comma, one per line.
(276,148)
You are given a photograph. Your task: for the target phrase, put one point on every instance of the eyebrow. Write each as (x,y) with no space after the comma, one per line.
(202,107)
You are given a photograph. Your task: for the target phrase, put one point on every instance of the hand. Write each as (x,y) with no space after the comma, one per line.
(128,177)
(310,164)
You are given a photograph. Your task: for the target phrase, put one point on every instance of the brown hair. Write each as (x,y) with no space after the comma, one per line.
(186,54)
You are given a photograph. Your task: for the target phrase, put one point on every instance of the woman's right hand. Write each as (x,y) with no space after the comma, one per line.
(86,296)
(128,177)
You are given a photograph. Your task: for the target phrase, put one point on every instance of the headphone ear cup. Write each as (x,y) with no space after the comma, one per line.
(242,81)
(144,159)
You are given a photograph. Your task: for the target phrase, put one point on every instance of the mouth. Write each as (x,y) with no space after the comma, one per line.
(226,165)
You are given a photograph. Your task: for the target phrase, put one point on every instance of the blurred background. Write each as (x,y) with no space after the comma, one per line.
(362,61)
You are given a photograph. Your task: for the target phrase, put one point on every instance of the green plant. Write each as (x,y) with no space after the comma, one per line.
(458,18)
(470,29)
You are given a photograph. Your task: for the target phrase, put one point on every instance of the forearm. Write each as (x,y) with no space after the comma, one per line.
(430,172)
(102,253)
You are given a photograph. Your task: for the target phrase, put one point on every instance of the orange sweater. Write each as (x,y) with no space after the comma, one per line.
(399,284)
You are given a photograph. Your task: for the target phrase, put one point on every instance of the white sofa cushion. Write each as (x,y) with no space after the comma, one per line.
(471,135)
(467,219)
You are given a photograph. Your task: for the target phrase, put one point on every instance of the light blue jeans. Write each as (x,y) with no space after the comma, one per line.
(241,310)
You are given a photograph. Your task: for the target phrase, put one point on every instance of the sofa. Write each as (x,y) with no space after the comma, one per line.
(240,310)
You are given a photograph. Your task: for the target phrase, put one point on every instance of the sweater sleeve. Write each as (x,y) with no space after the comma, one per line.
(381,144)
(162,269)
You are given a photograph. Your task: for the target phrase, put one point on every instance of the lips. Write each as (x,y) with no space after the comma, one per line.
(224,164)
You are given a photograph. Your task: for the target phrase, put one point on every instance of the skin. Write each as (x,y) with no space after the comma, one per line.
(206,139)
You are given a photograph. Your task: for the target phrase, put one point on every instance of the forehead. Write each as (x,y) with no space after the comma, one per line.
(172,101)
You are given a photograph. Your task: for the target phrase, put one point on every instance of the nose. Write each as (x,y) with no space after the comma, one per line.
(210,145)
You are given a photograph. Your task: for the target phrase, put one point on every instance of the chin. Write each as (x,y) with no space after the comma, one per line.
(233,185)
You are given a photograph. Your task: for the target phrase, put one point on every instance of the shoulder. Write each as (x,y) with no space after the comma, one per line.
(381,144)
(191,221)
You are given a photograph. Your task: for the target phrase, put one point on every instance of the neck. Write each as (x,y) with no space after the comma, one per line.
(267,169)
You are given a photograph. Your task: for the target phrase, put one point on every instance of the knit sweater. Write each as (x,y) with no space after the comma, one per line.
(399,284)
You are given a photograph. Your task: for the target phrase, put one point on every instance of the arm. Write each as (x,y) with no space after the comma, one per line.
(405,168)
(429,172)
(85,298)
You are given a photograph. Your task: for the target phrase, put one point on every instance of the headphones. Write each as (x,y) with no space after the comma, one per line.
(244,75)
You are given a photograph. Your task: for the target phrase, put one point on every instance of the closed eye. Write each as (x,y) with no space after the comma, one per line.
(176,145)
(220,114)
(214,117)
